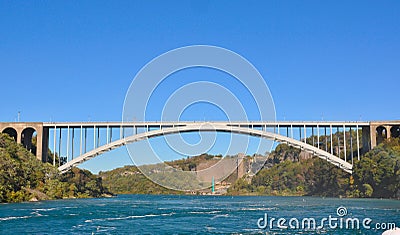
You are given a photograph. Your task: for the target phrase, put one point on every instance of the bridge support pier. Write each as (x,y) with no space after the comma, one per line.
(44,144)
(388,132)
(366,139)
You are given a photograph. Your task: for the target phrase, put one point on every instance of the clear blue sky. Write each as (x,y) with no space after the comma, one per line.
(74,60)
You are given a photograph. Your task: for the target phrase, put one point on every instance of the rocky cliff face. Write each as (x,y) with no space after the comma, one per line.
(283,153)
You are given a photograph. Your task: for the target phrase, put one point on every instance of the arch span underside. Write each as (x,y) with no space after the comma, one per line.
(11,132)
(204,128)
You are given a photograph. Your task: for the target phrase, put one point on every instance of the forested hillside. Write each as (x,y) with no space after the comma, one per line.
(377,174)
(23,177)
(129,180)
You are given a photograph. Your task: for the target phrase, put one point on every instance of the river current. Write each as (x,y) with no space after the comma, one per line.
(166,214)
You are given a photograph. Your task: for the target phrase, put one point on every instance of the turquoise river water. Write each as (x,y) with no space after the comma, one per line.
(165,214)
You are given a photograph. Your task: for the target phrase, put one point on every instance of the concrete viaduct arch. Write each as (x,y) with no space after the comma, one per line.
(383,130)
(22,132)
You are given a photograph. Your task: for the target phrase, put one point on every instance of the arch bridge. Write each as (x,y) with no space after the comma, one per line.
(72,143)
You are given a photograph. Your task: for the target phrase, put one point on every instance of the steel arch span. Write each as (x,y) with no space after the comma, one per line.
(195,127)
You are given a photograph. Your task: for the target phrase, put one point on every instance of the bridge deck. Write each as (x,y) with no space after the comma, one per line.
(253,124)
